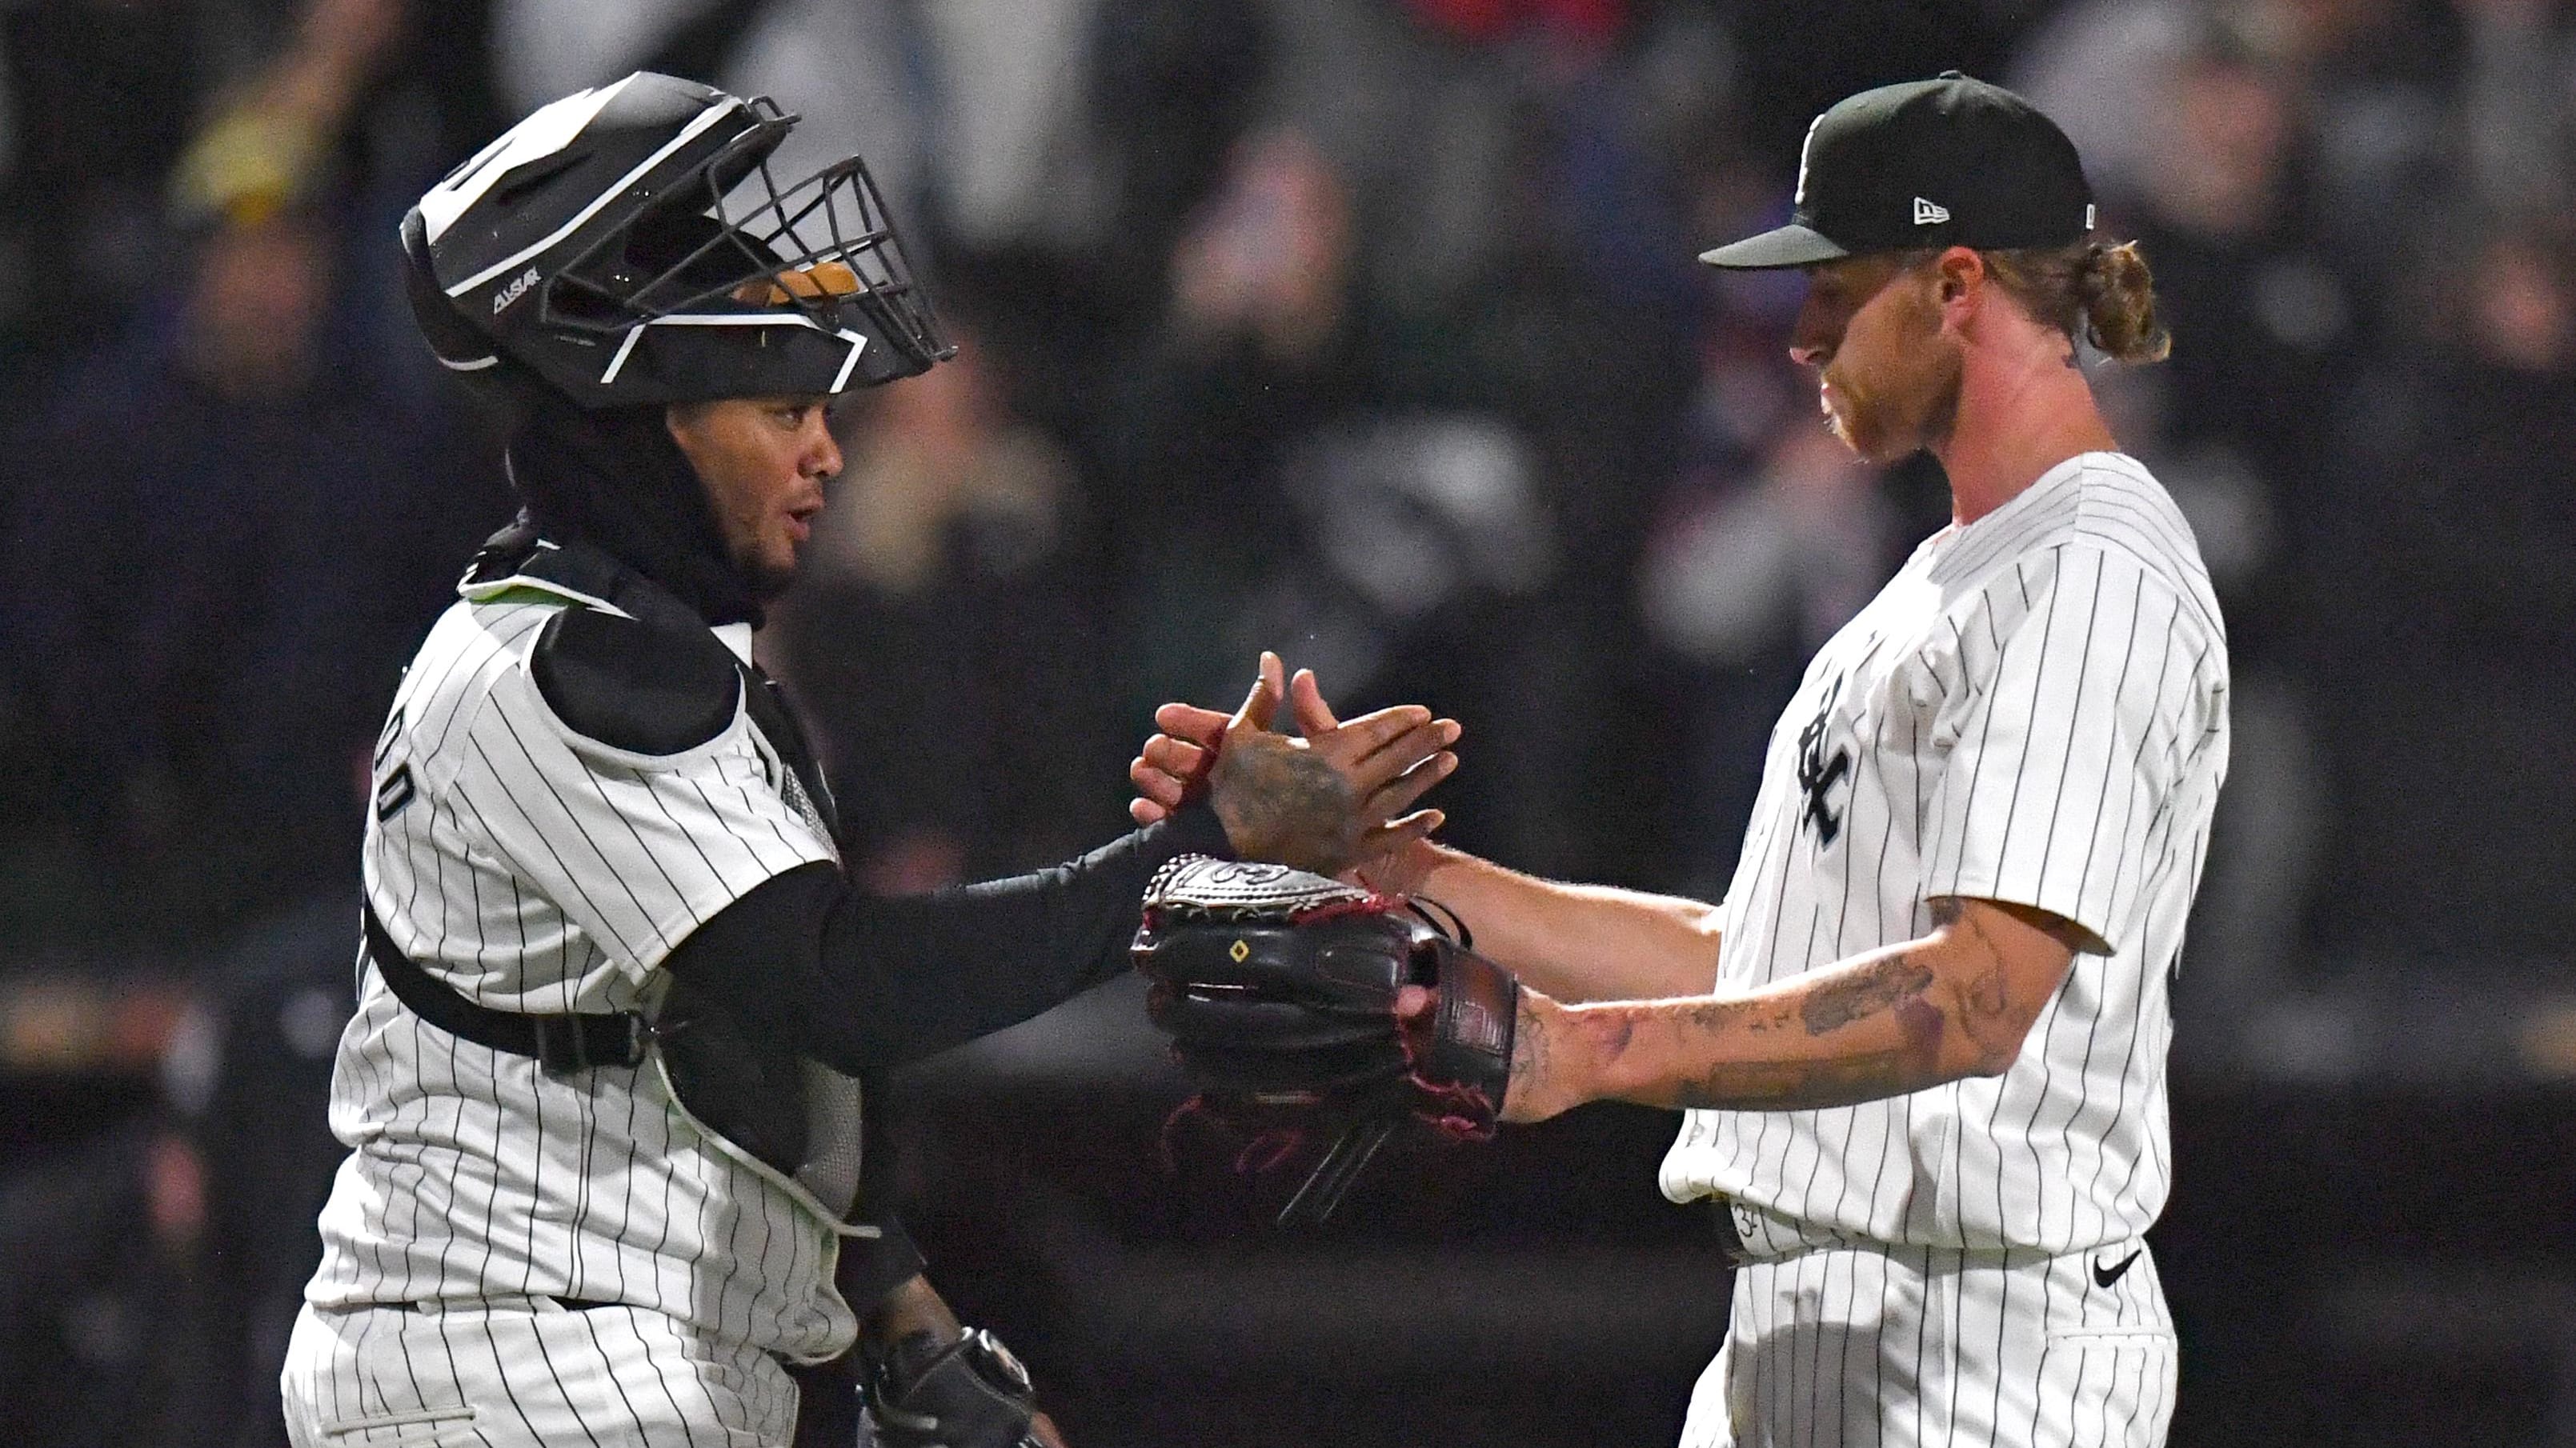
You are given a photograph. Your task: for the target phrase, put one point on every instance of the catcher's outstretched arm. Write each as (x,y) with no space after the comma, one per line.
(863,981)
(1957,1002)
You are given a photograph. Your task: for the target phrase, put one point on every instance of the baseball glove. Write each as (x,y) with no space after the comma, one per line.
(1279,991)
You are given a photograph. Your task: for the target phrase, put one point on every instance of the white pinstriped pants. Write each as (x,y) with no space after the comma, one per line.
(1925,1347)
(536,1375)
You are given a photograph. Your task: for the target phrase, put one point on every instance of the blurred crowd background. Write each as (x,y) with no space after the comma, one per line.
(1368,331)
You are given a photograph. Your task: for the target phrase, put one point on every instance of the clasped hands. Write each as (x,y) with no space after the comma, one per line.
(1337,800)
(1334,797)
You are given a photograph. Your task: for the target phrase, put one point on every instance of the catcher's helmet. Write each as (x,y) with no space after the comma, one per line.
(627,245)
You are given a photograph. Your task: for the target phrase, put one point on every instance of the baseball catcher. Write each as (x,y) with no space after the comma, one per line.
(611,1177)
(1303,1006)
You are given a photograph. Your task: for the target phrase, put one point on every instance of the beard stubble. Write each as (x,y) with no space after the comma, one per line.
(1909,402)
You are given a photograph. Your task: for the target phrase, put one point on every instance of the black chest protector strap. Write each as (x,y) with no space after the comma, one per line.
(563,1044)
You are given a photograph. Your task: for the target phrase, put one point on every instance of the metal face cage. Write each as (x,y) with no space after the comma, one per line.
(729,239)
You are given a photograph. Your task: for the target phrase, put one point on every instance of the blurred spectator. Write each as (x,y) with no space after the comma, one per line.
(2369,79)
(95,121)
(149,1276)
(103,1332)
(2449,587)
(2238,426)
(234,497)
(223,540)
(265,149)
(2517,105)
(838,66)
(1260,345)
(250,1078)
(1745,580)
(1283,475)
(2098,68)
(1060,206)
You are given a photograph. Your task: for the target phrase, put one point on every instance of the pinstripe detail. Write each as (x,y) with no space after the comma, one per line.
(1919,1348)
(533,876)
(2036,710)
(540,1378)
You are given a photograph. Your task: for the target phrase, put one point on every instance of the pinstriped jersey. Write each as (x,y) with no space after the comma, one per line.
(2034,710)
(535,870)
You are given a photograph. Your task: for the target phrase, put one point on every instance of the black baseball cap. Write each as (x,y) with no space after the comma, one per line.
(1951,161)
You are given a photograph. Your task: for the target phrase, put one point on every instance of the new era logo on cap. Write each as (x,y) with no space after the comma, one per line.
(2005,175)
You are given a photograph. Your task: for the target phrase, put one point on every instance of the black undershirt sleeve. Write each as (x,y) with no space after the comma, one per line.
(862,982)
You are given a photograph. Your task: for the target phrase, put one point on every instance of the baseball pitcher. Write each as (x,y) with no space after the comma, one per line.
(1921,1046)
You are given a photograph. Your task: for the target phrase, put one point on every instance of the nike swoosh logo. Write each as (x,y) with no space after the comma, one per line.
(2105,1276)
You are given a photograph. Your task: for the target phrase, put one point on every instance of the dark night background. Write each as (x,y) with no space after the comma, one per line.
(1369,331)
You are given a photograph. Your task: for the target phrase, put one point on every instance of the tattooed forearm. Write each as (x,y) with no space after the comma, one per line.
(1955,1003)
(1285,803)
(1755,1016)
(1880,985)
(1799,1085)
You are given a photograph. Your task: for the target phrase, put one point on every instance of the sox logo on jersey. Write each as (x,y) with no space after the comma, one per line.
(1817,776)
(2032,711)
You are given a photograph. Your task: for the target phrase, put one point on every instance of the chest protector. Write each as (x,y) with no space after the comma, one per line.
(787,1117)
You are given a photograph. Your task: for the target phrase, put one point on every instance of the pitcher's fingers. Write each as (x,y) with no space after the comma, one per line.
(1306,703)
(1263,701)
(1402,753)
(1190,722)
(1358,739)
(1146,812)
(1396,834)
(1175,756)
(1158,785)
(1255,711)
(1442,733)
(1399,793)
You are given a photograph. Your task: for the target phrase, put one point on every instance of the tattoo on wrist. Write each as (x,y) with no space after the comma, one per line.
(1530,1049)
